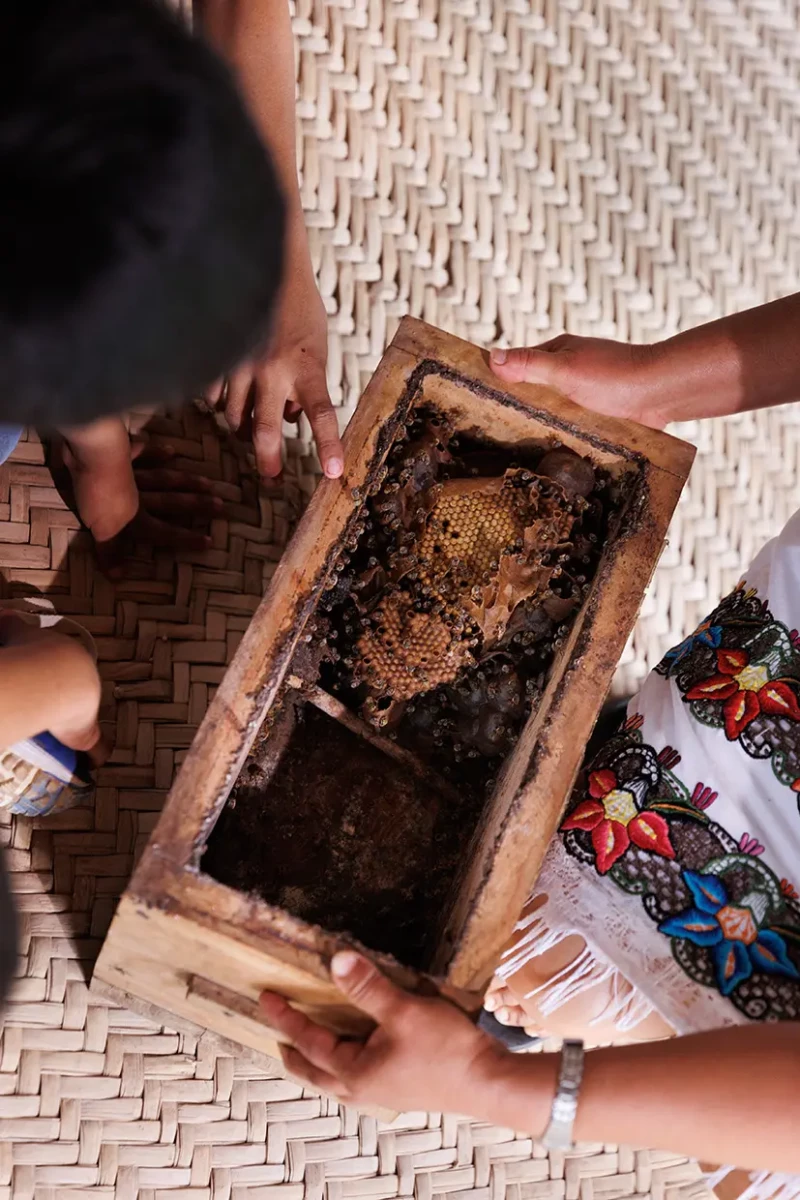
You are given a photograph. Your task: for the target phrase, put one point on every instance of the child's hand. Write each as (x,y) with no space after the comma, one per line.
(58,689)
(289,379)
(425,1053)
(121,501)
(609,377)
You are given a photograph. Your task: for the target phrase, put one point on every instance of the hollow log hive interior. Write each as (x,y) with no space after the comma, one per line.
(453,593)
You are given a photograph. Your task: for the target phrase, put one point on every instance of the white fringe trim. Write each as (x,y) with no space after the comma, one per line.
(769,1185)
(764,1185)
(626,1008)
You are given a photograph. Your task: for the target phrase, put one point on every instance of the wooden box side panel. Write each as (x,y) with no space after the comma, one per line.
(209,978)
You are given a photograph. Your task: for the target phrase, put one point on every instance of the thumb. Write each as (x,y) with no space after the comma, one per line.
(364,984)
(525,365)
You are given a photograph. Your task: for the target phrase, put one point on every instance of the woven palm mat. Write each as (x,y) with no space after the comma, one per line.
(505,171)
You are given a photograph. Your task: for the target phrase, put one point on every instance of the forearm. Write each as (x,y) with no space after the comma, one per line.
(255,37)
(730,1096)
(39,684)
(27,695)
(99,460)
(745,361)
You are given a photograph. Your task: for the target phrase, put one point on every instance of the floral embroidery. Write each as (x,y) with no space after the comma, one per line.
(732,925)
(746,690)
(611,814)
(740,671)
(625,805)
(734,931)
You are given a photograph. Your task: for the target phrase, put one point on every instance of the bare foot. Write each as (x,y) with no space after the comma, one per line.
(507,1008)
(517,999)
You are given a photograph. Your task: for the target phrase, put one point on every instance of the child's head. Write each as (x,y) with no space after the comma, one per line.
(141,222)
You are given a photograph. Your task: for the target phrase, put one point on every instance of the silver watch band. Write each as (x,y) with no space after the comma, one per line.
(558,1135)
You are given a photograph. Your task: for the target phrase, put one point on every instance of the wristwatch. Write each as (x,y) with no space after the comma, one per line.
(558,1135)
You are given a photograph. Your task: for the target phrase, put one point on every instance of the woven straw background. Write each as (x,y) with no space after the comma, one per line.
(504,171)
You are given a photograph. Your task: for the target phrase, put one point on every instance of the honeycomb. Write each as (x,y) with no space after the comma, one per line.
(477,555)
(408,652)
(469,527)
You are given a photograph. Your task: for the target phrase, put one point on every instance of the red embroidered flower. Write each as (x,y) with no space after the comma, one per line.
(611,816)
(789,890)
(746,691)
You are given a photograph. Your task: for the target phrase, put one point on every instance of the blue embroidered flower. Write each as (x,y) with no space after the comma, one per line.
(732,931)
(706,634)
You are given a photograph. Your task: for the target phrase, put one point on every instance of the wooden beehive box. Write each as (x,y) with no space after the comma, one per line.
(203,950)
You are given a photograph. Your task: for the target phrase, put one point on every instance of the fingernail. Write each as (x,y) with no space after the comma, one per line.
(218,502)
(344,963)
(499,357)
(334,468)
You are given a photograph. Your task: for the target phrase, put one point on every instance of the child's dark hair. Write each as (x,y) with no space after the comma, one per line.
(141,222)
